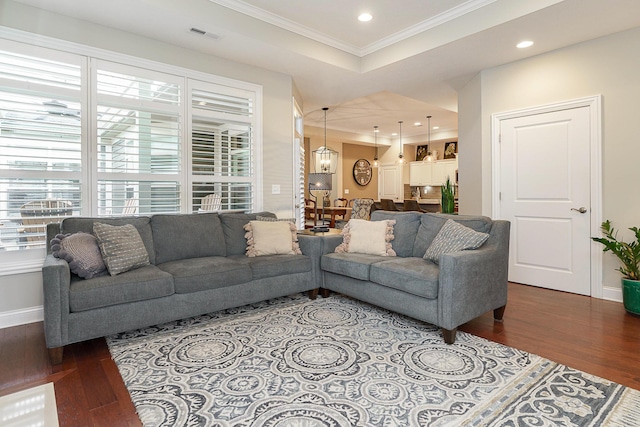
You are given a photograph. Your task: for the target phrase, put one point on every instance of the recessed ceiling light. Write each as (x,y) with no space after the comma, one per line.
(523,44)
(365,17)
(394,134)
(435,127)
(417,124)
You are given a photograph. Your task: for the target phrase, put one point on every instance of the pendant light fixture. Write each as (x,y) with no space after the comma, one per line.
(400,160)
(375,138)
(429,157)
(325,159)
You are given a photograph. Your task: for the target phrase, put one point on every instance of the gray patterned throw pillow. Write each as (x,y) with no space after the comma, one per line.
(454,237)
(121,246)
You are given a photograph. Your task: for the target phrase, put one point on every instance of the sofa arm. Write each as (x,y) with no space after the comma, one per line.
(331,242)
(311,246)
(56,279)
(474,282)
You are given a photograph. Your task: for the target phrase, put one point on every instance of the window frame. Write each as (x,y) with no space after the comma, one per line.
(30,261)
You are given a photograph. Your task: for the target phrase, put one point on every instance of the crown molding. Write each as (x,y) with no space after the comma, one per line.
(286,24)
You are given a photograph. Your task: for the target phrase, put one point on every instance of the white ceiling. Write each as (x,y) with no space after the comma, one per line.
(405,64)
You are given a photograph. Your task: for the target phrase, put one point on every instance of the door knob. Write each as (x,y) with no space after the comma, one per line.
(581,210)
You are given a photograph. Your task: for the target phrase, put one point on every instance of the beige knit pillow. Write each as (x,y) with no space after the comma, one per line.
(367,237)
(271,238)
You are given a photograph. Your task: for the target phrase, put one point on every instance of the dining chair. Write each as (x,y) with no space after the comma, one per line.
(310,218)
(412,205)
(388,205)
(340,203)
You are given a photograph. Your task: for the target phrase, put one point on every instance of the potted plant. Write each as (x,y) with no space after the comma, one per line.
(448,197)
(629,256)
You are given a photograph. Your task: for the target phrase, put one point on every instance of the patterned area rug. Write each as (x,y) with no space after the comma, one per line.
(339,362)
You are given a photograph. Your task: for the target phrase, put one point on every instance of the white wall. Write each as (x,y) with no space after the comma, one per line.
(470,164)
(21,294)
(608,66)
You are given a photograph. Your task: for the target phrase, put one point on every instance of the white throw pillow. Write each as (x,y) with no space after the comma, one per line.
(367,237)
(271,238)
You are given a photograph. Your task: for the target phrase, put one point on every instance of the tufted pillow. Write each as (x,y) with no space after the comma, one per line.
(271,238)
(367,237)
(121,246)
(454,237)
(82,253)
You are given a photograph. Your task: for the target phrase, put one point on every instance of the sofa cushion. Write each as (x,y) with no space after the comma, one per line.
(275,265)
(81,252)
(200,274)
(454,237)
(367,237)
(136,285)
(184,236)
(416,276)
(431,223)
(404,230)
(233,229)
(352,265)
(271,238)
(121,246)
(75,224)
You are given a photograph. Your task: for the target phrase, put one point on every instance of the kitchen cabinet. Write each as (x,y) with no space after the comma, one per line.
(419,174)
(442,170)
(432,173)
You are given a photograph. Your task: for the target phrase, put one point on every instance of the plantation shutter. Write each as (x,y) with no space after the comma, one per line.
(222,158)
(139,121)
(41,117)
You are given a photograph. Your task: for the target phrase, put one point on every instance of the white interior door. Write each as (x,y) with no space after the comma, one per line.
(545,193)
(389,181)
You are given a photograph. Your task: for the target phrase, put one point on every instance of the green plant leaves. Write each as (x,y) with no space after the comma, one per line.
(627,253)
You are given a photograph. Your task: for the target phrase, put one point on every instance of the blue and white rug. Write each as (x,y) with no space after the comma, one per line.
(338,362)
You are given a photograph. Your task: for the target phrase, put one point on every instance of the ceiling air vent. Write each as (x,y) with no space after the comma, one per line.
(204,33)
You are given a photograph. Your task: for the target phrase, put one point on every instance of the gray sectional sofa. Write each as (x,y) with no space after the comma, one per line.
(459,287)
(197,264)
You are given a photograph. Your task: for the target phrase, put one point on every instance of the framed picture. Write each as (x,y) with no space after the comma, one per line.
(421,152)
(450,150)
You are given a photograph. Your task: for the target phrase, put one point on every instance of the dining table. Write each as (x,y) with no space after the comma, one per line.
(333,212)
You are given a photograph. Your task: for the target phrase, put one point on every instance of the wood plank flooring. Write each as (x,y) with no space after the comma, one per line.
(593,335)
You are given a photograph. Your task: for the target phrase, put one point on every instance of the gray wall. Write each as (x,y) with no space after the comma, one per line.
(24,291)
(608,66)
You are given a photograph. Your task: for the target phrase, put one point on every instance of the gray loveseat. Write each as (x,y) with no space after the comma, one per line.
(461,286)
(197,265)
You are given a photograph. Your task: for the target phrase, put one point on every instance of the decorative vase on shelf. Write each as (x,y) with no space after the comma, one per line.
(448,202)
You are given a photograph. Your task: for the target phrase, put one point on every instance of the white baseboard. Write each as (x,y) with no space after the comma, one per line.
(21,317)
(612,294)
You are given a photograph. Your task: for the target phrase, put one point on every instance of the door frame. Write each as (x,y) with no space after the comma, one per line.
(594,103)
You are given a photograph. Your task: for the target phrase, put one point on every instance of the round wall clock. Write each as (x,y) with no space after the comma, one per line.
(362,172)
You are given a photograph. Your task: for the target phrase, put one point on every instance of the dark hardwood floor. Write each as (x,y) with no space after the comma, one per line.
(593,335)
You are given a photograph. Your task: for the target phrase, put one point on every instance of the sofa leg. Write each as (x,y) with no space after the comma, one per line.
(313,293)
(325,292)
(55,355)
(498,313)
(449,335)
